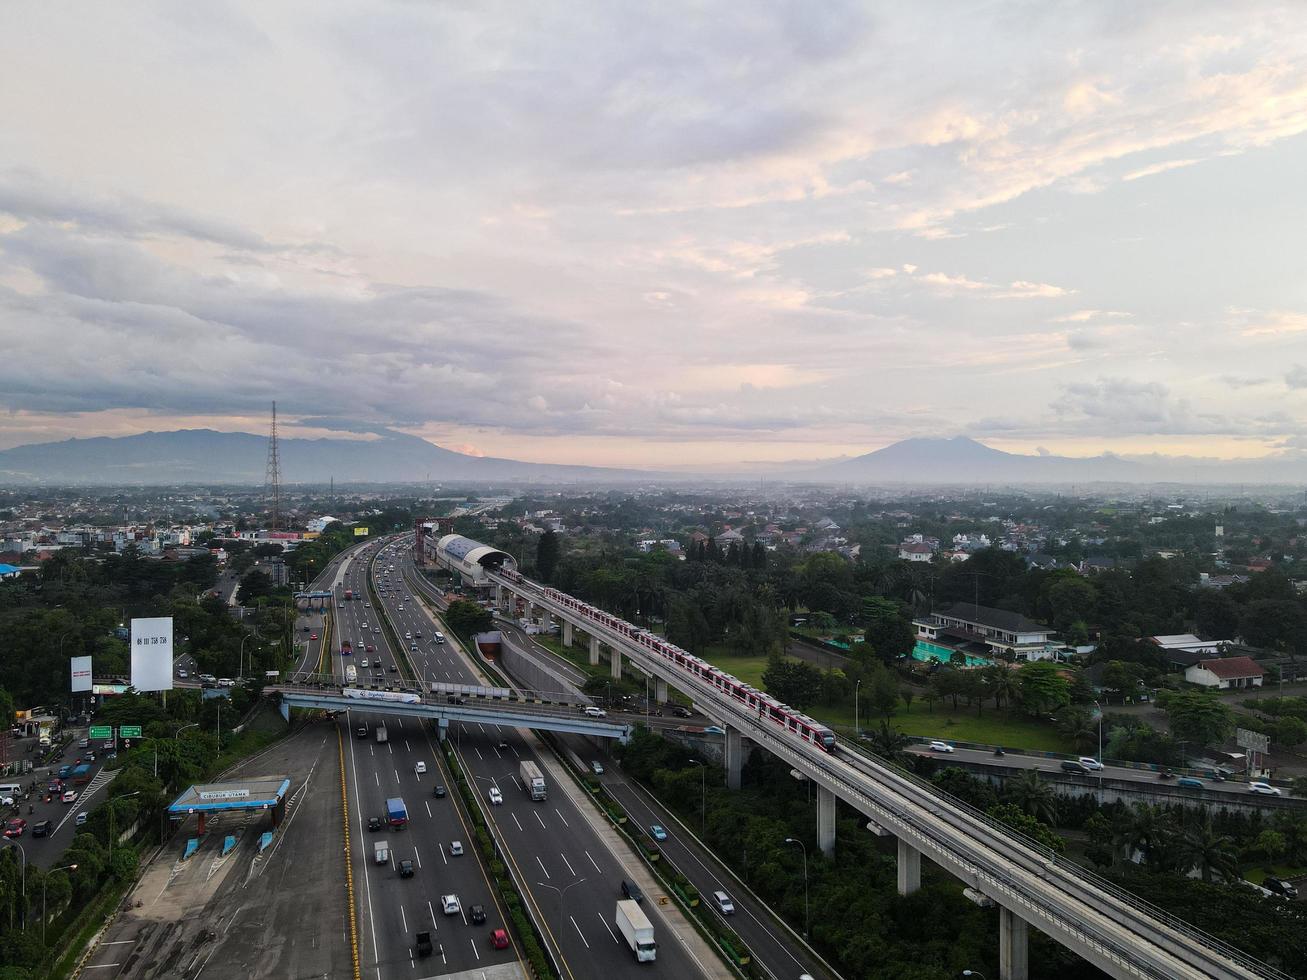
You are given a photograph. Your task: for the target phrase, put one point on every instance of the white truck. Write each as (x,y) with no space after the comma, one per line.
(381,852)
(533,780)
(382,735)
(637,930)
(351,674)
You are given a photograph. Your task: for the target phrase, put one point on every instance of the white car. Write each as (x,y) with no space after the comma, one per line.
(420,768)
(364,663)
(1090,763)
(456,848)
(1266,789)
(597,767)
(940,747)
(449,904)
(376,629)
(593,712)
(182,673)
(724,904)
(496,797)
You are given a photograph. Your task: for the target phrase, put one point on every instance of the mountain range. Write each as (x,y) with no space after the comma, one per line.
(204,456)
(209,457)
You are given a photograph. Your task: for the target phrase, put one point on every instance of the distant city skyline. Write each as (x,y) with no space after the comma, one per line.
(632,236)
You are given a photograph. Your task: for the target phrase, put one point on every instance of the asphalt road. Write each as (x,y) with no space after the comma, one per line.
(392,909)
(279,913)
(570,877)
(1051,767)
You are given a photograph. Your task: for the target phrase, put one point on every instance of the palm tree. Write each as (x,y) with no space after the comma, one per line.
(1201,846)
(1003,685)
(1149,830)
(1080,726)
(1033,796)
(890,743)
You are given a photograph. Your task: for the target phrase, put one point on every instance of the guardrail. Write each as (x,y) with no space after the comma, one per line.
(1076,884)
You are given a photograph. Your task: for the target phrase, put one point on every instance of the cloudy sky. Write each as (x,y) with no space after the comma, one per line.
(660,233)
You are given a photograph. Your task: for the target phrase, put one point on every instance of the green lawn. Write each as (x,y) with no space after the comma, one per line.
(1257,874)
(993,727)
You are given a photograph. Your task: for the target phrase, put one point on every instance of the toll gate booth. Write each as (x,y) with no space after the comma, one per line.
(262,793)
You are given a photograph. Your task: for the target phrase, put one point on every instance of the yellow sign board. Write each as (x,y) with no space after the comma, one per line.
(360,532)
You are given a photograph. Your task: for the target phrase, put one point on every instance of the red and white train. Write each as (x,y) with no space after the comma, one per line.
(764,704)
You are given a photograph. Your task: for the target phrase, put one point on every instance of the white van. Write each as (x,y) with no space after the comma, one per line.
(381,852)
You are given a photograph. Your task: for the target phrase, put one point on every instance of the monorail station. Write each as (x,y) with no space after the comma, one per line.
(203,799)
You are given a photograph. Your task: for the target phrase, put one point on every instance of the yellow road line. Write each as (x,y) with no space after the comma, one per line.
(349,864)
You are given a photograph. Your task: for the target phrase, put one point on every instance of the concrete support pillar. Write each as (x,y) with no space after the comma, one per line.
(201,822)
(1013,946)
(826,821)
(567,633)
(734,757)
(594,651)
(909,868)
(442,728)
(615,662)
(499,596)
(660,690)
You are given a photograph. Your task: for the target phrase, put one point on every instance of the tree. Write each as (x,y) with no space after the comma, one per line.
(1098,831)
(888,630)
(1147,830)
(1201,846)
(1217,615)
(1198,717)
(1026,824)
(1079,725)
(884,691)
(465,618)
(1043,688)
(548,552)
(792,681)
(1029,792)
(255,584)
(1290,732)
(1068,599)
(889,743)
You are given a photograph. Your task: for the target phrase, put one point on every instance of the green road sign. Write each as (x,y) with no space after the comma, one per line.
(101,731)
(129,731)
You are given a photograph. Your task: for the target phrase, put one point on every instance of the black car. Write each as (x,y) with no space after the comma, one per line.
(406,869)
(42,828)
(374,823)
(439,792)
(632,891)
(1070,765)
(478,914)
(1277,885)
(681,712)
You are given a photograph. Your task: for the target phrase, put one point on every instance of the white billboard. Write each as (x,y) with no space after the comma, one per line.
(81,674)
(152,654)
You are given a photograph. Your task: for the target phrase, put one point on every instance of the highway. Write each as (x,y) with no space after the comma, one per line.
(392,910)
(1210,792)
(769,941)
(570,877)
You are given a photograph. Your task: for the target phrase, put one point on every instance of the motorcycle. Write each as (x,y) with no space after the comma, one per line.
(999,751)
(1166,774)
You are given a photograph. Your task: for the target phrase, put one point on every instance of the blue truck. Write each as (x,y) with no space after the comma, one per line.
(82,774)
(396,812)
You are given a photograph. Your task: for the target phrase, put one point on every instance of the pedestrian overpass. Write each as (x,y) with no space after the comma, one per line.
(521,713)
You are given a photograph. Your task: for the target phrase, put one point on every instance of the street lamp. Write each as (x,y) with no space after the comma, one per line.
(703,793)
(973,973)
(240,666)
(1100,752)
(857,729)
(45,881)
(806,921)
(22,852)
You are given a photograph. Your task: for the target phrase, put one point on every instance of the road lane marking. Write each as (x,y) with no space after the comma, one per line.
(434,926)
(607,926)
(561,817)
(568,863)
(516,821)
(427,804)
(542,867)
(592,861)
(580,933)
(404,917)
(537,816)
(418,856)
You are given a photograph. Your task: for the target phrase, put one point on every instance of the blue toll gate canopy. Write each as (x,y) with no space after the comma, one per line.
(261,793)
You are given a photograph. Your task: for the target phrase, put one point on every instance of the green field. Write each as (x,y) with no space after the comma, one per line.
(992,728)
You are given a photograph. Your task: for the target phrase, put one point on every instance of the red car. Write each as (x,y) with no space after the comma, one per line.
(313,636)
(15,827)
(499,939)
(371,648)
